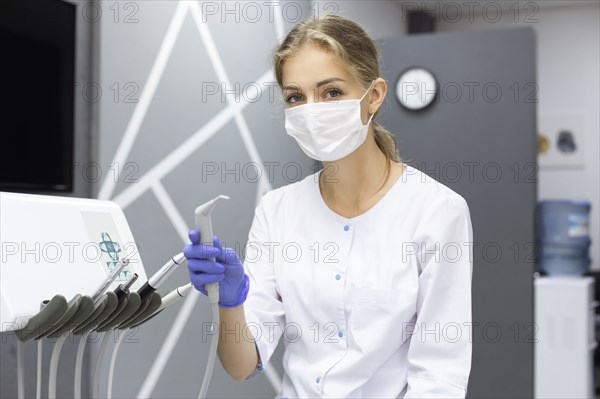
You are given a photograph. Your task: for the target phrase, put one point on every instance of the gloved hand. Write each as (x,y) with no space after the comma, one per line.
(227,270)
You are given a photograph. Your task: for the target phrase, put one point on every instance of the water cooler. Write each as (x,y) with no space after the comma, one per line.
(564,336)
(564,302)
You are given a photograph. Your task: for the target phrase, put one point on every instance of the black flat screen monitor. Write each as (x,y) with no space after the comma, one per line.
(37,74)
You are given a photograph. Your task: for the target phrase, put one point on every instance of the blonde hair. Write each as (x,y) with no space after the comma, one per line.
(356,51)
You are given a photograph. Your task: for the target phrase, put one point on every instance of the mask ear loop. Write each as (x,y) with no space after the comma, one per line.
(370,118)
(367,91)
(362,98)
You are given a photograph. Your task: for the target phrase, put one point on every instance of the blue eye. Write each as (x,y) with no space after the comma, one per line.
(288,100)
(339,93)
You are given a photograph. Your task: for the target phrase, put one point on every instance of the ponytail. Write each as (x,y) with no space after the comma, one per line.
(386,142)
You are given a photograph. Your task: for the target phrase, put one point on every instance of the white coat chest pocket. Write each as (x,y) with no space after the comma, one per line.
(379,317)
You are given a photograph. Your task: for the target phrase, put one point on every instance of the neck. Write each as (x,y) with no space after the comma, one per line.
(353,180)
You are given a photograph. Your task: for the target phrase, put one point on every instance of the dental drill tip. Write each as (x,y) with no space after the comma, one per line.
(109,279)
(131,281)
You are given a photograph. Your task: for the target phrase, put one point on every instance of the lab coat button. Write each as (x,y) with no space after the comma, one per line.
(346,227)
(318,379)
(340,334)
(337,277)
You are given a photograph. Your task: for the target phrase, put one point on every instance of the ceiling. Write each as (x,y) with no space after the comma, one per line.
(506,5)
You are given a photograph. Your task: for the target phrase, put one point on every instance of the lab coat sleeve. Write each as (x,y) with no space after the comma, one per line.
(263,308)
(439,354)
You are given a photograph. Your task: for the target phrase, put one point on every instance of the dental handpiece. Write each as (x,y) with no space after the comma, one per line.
(167,300)
(160,276)
(204,227)
(109,280)
(123,289)
(123,299)
(174,296)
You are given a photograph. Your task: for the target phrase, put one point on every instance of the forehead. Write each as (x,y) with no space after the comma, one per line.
(312,64)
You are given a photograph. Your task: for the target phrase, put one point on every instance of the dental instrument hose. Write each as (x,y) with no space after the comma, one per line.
(204,227)
(99,359)
(20,371)
(38,386)
(120,335)
(121,293)
(212,355)
(78,365)
(52,373)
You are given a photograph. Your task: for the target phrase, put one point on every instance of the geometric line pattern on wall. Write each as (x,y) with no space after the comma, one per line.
(151,180)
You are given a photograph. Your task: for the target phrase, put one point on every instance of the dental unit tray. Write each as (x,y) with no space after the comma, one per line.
(56,253)
(71,266)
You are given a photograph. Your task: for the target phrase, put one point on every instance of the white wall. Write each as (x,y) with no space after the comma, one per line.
(379,18)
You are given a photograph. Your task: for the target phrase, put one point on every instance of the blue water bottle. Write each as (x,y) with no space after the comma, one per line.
(563,237)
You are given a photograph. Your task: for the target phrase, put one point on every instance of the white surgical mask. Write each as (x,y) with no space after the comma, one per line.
(329,130)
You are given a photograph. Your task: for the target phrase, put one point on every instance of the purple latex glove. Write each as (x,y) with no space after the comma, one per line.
(226,269)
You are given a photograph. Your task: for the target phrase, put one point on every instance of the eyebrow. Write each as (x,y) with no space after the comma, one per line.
(319,84)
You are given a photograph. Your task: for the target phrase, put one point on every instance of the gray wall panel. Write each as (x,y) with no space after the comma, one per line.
(445,138)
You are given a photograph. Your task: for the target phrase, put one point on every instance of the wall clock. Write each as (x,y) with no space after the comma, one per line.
(416,88)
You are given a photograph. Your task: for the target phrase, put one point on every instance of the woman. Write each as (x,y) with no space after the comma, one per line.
(364,267)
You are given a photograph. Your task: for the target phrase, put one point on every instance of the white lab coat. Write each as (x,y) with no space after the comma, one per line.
(377,305)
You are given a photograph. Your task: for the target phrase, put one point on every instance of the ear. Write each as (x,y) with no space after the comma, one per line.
(377,95)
